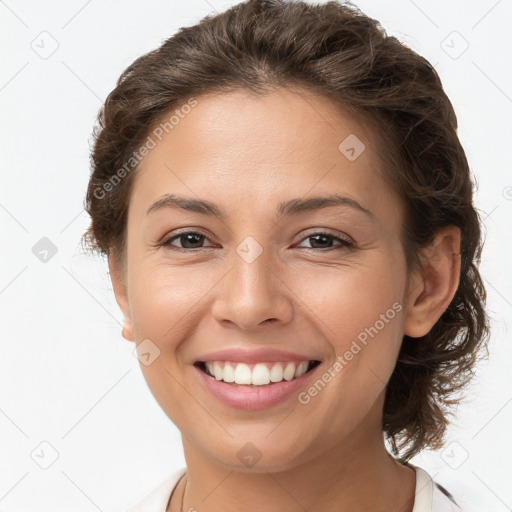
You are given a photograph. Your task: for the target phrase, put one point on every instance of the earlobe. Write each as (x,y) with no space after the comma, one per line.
(121,295)
(127,332)
(435,285)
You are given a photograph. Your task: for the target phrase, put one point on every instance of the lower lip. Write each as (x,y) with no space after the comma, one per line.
(253,397)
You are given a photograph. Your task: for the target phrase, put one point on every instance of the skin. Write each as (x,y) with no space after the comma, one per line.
(247,154)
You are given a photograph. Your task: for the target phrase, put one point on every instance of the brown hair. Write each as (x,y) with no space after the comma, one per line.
(336,51)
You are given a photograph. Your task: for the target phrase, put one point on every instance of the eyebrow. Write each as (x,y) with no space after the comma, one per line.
(286,208)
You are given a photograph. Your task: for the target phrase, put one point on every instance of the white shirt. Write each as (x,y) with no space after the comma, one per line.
(429,496)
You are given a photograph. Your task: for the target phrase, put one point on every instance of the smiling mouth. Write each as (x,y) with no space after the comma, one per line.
(255,375)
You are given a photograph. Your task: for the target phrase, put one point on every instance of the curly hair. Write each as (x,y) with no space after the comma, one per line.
(336,51)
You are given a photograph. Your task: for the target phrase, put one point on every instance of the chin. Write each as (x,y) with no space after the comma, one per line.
(257,454)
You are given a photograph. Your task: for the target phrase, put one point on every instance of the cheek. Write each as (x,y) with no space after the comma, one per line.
(347,300)
(359,314)
(163,299)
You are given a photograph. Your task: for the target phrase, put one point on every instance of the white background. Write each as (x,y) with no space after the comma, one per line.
(68,378)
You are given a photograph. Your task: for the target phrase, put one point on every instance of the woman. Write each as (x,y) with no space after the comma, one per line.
(288,217)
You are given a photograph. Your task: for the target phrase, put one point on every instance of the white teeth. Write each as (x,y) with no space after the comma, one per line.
(276,373)
(289,371)
(229,373)
(217,370)
(243,374)
(301,369)
(261,374)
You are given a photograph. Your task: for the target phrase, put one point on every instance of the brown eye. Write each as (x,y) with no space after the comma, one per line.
(324,241)
(188,240)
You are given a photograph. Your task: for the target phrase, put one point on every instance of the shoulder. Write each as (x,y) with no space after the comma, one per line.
(443,501)
(156,500)
(431,496)
(456,496)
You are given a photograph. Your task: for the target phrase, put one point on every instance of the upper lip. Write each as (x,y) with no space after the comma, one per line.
(253,355)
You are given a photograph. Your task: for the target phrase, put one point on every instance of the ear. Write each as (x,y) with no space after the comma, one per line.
(432,288)
(121,294)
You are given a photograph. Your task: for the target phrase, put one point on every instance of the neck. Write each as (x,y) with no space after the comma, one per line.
(348,476)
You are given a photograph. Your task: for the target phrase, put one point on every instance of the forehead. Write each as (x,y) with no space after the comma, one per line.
(253,150)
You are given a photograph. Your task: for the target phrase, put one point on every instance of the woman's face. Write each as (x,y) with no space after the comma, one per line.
(325,282)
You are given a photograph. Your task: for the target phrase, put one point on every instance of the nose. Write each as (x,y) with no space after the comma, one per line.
(253,294)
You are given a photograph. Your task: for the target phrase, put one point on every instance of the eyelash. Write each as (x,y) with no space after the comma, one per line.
(344,243)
